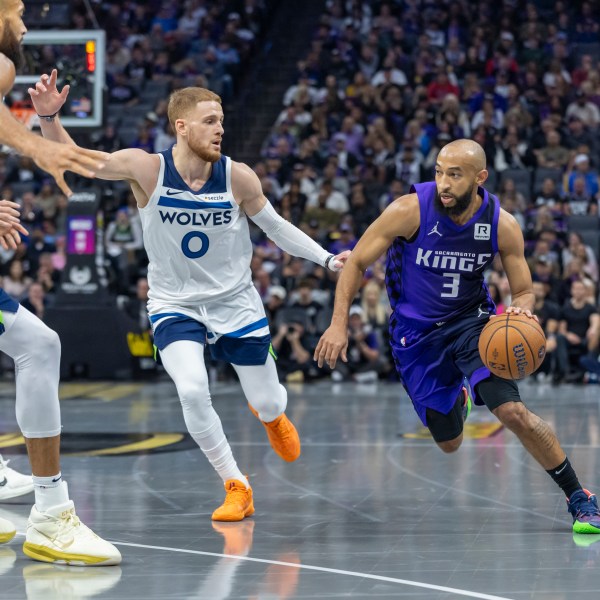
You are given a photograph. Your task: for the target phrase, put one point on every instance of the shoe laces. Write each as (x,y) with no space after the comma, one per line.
(586,507)
(236,494)
(67,523)
(283,431)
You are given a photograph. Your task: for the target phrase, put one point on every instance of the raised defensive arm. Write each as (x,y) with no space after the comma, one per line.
(51,157)
(133,165)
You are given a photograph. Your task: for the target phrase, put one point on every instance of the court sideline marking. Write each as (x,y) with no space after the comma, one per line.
(418,584)
(358,574)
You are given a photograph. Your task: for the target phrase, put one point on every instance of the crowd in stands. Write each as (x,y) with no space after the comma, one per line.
(382,87)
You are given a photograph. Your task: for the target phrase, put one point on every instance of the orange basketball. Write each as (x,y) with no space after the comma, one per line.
(512,346)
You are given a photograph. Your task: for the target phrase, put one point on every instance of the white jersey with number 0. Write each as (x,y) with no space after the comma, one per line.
(198,242)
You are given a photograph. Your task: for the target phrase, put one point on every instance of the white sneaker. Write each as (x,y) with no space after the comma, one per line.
(12,483)
(58,536)
(7,531)
(60,582)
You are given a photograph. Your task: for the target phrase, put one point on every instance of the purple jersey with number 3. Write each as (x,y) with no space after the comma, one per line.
(439,275)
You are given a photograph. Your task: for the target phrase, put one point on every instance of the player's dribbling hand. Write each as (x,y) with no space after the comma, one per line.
(338,261)
(515,310)
(45,96)
(333,344)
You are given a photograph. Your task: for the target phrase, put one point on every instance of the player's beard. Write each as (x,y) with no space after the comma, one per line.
(11,47)
(462,203)
(204,153)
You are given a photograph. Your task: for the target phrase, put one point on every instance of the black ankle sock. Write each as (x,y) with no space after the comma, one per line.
(565,477)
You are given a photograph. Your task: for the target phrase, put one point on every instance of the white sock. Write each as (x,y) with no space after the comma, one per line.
(215,446)
(50,491)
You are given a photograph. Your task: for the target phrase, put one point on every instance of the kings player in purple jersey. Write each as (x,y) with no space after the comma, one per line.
(439,240)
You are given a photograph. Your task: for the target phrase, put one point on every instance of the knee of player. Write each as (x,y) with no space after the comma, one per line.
(47,342)
(194,391)
(513,415)
(268,396)
(450,446)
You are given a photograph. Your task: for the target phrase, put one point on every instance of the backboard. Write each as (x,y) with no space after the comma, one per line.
(79,57)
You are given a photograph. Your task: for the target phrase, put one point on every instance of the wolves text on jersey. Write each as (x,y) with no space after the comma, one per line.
(202,219)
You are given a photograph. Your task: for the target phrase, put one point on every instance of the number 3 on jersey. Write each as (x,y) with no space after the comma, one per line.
(451,286)
(190,246)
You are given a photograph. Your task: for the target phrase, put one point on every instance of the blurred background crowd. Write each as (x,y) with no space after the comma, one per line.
(376,89)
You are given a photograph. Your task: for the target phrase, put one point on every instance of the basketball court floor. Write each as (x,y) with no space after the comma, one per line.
(372,509)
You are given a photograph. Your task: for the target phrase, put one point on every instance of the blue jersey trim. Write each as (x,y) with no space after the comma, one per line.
(215,184)
(190,204)
(181,328)
(7,303)
(159,316)
(250,351)
(248,328)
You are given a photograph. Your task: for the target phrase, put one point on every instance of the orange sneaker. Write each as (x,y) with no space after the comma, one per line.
(282,435)
(238,502)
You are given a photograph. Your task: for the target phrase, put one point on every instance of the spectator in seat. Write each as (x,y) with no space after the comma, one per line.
(136,308)
(294,352)
(580,325)
(16,283)
(581,170)
(36,301)
(363,351)
(556,362)
(579,201)
(553,155)
(275,301)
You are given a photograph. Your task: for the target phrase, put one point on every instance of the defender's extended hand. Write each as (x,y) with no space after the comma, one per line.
(9,216)
(10,225)
(333,343)
(45,96)
(339,260)
(57,158)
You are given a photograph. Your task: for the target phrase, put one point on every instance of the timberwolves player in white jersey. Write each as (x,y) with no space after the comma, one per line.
(194,205)
(54,532)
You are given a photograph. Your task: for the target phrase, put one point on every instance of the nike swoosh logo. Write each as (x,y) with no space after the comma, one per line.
(55,480)
(3,483)
(171,193)
(561,470)
(62,544)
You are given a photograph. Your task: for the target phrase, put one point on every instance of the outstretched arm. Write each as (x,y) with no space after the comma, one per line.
(133,165)
(248,191)
(48,101)
(400,219)
(49,156)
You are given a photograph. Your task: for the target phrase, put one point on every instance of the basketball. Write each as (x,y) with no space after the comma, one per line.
(512,346)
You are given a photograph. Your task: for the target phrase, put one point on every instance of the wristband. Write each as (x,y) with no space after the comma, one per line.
(48,118)
(328,260)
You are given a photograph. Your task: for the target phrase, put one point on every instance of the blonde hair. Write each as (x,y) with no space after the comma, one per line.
(183,100)
(378,313)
